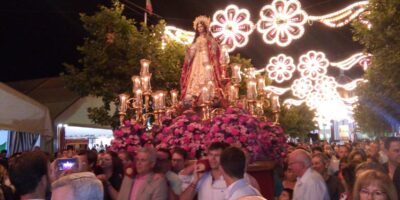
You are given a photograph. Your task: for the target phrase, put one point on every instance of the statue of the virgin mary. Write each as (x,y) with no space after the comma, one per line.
(201,66)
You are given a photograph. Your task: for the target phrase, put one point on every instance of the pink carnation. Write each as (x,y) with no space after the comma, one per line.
(118,133)
(131,149)
(229,140)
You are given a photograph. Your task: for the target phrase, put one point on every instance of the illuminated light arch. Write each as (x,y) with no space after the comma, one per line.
(276,90)
(179,35)
(280,68)
(352,85)
(281,22)
(294,102)
(358,58)
(313,65)
(343,16)
(362,19)
(302,87)
(232,27)
(351,100)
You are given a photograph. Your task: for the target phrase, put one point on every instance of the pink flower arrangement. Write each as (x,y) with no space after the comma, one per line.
(130,137)
(262,139)
(186,131)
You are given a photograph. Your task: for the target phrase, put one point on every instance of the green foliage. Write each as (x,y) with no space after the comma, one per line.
(297,121)
(379,109)
(111,54)
(246,63)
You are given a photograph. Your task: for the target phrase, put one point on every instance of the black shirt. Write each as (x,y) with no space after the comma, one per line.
(396,177)
(115,181)
(334,186)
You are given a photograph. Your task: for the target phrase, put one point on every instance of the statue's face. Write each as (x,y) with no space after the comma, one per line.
(200,28)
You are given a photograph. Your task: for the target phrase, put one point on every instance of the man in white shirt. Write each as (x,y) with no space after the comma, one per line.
(208,185)
(310,185)
(233,164)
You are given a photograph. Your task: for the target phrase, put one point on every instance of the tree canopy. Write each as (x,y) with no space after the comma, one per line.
(111,54)
(378,111)
(297,121)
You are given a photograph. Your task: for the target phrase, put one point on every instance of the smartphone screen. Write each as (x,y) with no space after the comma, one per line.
(66,164)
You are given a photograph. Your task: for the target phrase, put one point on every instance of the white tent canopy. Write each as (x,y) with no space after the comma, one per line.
(21,113)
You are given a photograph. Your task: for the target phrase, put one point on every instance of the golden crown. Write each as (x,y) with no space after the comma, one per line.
(206,20)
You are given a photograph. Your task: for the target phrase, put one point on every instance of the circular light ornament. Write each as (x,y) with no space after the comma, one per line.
(280,68)
(314,99)
(281,22)
(326,86)
(232,27)
(302,87)
(313,65)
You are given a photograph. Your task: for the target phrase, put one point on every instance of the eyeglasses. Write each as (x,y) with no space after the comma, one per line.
(376,193)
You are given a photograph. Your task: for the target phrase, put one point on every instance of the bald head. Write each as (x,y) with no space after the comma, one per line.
(299,161)
(301,156)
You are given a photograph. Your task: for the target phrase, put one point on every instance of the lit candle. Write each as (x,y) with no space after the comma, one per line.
(174,97)
(261,84)
(144,70)
(224,58)
(146,83)
(161,99)
(136,83)
(204,95)
(251,72)
(156,104)
(123,103)
(251,90)
(138,98)
(236,77)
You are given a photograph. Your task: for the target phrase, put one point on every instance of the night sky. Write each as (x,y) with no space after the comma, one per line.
(37,36)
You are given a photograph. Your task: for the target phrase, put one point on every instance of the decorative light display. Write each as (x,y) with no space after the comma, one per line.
(302,87)
(319,91)
(341,17)
(362,19)
(179,35)
(326,86)
(350,100)
(232,27)
(358,58)
(276,90)
(352,85)
(314,99)
(294,102)
(281,22)
(313,65)
(280,68)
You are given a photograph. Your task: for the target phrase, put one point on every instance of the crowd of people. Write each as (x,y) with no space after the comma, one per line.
(350,171)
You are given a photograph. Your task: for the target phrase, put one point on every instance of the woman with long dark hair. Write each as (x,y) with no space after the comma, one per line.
(112,174)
